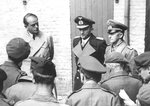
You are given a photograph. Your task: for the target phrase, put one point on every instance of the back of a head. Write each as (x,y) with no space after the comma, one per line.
(18,49)
(43,70)
(91,67)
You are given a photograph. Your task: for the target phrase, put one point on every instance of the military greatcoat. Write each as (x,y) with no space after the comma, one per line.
(95,47)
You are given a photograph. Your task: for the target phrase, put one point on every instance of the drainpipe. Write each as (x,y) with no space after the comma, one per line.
(127,20)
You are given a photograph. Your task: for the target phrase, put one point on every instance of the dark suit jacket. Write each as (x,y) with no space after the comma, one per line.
(121,80)
(95,47)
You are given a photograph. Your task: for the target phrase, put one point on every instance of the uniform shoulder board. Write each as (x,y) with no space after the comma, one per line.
(74,92)
(100,38)
(76,37)
(113,93)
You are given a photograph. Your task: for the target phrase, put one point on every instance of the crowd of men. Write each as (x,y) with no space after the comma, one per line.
(107,74)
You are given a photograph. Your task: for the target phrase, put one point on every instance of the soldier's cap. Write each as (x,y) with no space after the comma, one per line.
(42,67)
(115,57)
(144,95)
(91,64)
(143,60)
(3,75)
(114,26)
(25,79)
(18,48)
(83,22)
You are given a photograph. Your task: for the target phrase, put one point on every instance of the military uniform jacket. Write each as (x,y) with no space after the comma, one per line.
(20,91)
(39,100)
(124,49)
(91,94)
(13,73)
(95,47)
(121,80)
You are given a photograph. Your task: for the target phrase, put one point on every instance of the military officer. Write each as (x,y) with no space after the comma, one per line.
(115,34)
(87,45)
(119,77)
(91,94)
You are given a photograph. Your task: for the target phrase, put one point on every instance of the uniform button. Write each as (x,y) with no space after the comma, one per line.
(77,77)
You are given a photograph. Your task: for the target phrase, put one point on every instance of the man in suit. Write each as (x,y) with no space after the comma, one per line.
(91,94)
(86,45)
(118,77)
(41,44)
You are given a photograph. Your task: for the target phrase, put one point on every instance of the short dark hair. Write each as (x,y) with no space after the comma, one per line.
(91,75)
(26,16)
(44,74)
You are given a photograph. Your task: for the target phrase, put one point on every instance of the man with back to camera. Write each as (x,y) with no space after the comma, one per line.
(91,93)
(17,50)
(86,45)
(41,44)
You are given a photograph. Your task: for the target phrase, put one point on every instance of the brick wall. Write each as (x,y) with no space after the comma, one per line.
(54,19)
(137,21)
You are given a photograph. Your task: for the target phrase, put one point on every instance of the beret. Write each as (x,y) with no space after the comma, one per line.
(83,22)
(144,94)
(42,67)
(115,26)
(91,64)
(115,57)
(18,48)
(142,60)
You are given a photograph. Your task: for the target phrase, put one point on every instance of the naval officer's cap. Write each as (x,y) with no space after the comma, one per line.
(83,22)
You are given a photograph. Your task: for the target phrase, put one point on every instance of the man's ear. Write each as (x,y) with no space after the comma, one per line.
(120,35)
(25,26)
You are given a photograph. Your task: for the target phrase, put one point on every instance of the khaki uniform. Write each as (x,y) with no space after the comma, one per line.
(91,94)
(124,49)
(20,91)
(13,74)
(121,80)
(39,100)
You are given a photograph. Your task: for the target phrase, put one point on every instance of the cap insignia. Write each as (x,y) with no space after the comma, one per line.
(80,22)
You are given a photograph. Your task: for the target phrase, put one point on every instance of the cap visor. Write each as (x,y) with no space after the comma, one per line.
(82,27)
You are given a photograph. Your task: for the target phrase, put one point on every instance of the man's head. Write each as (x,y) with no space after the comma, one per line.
(18,49)
(142,64)
(91,68)
(115,61)
(115,31)
(43,70)
(31,23)
(84,25)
